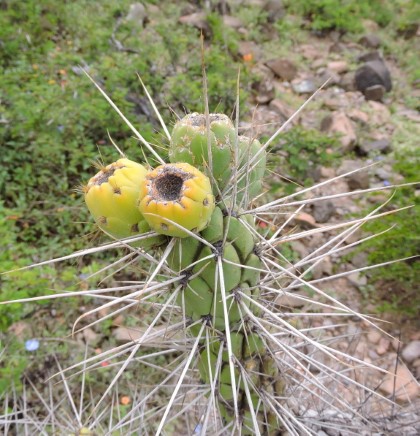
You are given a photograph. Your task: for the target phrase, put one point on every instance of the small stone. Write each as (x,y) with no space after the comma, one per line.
(370,56)
(299,248)
(411,351)
(310,413)
(233,22)
(370,40)
(370,26)
(275,9)
(323,211)
(375,92)
(337,47)
(338,122)
(338,67)
(332,77)
(380,113)
(264,91)
(306,86)
(357,180)
(137,13)
(291,301)
(197,20)
(310,52)
(327,172)
(125,334)
(323,268)
(402,384)
(283,68)
(381,146)
(383,346)
(370,74)
(357,279)
(20,330)
(359,260)
(90,336)
(282,108)
(347,82)
(383,173)
(358,115)
(374,336)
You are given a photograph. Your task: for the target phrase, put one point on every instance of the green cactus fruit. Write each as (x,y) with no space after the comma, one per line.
(111,197)
(176,193)
(190,142)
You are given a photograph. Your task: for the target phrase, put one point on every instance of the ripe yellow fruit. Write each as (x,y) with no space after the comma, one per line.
(112,196)
(176,193)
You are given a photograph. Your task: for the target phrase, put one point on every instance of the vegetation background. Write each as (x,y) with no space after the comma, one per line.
(54,124)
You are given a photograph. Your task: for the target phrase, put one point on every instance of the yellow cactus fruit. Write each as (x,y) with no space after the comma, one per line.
(176,193)
(112,196)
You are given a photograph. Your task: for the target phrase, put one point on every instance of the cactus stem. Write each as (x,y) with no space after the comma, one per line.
(181,379)
(221,280)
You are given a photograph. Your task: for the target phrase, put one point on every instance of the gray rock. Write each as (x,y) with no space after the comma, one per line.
(282,108)
(383,173)
(338,122)
(347,82)
(359,260)
(357,180)
(323,211)
(411,352)
(370,74)
(197,20)
(375,92)
(306,86)
(370,56)
(381,145)
(283,68)
(264,91)
(275,9)
(357,279)
(370,40)
(137,14)
(233,22)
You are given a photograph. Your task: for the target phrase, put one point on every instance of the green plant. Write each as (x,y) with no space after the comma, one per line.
(344,16)
(299,152)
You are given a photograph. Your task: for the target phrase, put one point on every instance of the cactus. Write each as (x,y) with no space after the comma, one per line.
(222,275)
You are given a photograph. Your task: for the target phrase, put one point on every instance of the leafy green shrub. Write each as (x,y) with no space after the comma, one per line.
(341,15)
(299,152)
